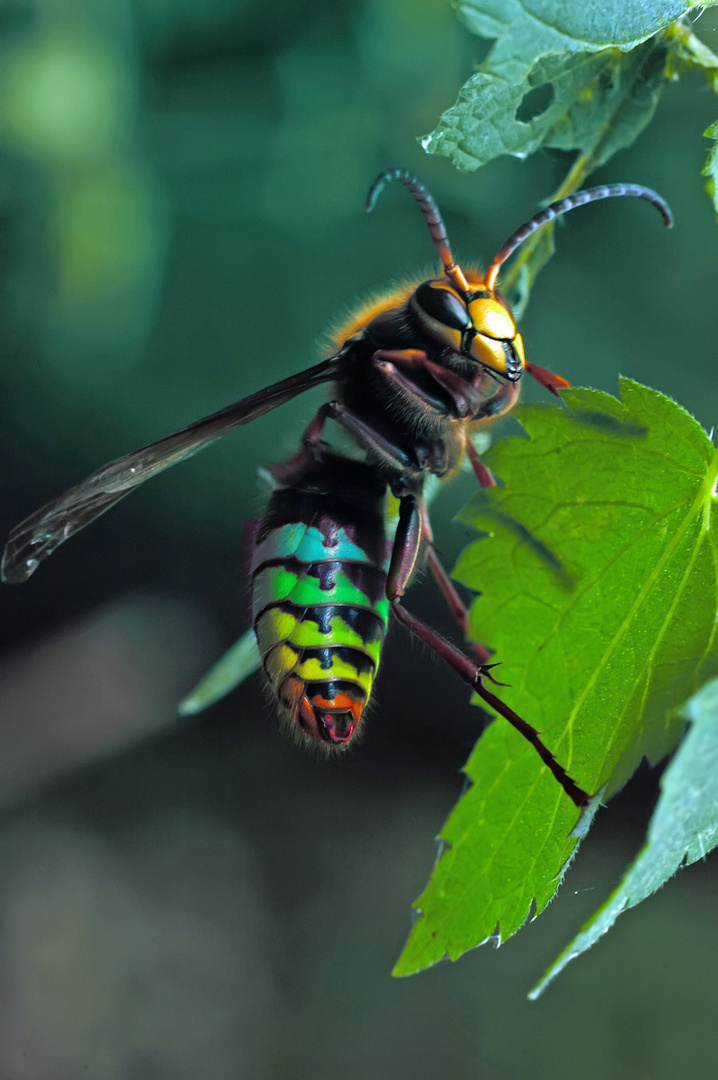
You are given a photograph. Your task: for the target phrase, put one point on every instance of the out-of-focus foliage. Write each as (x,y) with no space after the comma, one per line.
(710,169)
(597,573)
(69,103)
(688,53)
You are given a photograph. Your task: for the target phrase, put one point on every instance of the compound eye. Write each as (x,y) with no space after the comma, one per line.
(442,306)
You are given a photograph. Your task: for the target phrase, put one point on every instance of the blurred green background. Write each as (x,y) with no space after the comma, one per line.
(181,201)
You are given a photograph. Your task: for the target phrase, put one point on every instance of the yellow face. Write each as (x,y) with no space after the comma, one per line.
(478,326)
(497,344)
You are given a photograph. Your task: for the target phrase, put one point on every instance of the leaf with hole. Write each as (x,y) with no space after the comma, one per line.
(594,101)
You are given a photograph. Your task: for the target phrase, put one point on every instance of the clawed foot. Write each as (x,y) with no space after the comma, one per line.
(485,672)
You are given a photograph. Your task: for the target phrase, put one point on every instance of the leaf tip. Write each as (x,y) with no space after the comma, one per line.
(588,812)
(189,706)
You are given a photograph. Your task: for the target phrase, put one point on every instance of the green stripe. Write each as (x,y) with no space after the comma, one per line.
(307,592)
(270,585)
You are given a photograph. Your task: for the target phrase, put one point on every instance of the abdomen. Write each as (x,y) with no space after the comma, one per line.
(318,576)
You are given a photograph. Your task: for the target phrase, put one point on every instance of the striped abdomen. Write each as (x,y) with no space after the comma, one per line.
(319,604)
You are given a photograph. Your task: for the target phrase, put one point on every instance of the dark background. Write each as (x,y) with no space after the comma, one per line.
(181,204)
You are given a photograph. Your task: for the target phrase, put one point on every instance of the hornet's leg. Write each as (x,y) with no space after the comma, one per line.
(486,479)
(395,363)
(456,605)
(286,473)
(482,472)
(463,400)
(374,441)
(413,527)
(507,395)
(474,674)
(448,591)
(368,437)
(405,550)
(547,379)
(499,403)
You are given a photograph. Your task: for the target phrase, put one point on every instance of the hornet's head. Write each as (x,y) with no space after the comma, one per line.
(476,323)
(470,316)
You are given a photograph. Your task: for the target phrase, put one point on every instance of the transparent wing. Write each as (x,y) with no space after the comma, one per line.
(39,535)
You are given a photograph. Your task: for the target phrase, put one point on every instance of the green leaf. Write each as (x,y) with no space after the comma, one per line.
(599,595)
(571,76)
(683,829)
(528,28)
(234,667)
(710,169)
(688,53)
